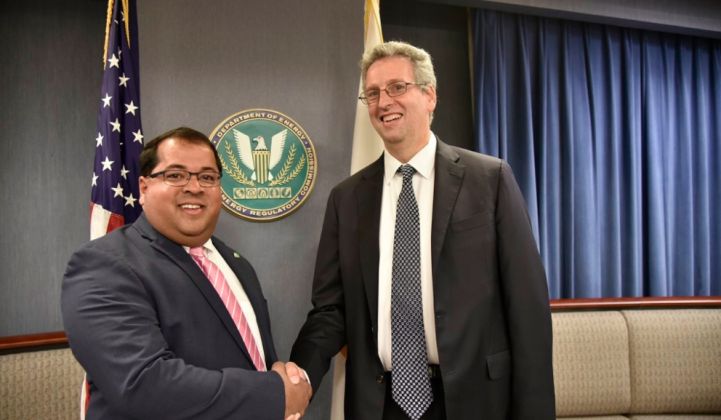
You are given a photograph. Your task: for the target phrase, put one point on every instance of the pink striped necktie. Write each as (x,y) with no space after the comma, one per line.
(213,273)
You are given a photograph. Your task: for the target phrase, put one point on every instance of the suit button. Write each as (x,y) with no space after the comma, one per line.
(380,379)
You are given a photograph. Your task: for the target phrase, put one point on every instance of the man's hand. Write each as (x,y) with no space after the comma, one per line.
(296,374)
(297,390)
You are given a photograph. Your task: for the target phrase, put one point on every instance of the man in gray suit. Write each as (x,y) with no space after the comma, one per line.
(167,321)
(427,269)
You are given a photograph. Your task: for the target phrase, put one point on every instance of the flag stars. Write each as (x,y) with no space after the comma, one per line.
(130,108)
(118,191)
(116,155)
(138,137)
(130,200)
(114,61)
(107,164)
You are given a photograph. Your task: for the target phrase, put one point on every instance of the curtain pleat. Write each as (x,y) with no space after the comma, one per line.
(613,135)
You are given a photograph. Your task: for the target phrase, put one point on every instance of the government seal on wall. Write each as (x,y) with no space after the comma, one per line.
(269,164)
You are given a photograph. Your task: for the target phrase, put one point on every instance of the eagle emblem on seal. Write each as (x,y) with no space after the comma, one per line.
(260,159)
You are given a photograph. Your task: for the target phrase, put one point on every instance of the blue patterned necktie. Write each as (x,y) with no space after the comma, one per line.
(411,385)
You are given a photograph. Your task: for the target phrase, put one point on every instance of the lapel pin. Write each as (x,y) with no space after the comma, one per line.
(235,254)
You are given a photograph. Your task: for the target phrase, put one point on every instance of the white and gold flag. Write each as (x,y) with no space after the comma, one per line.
(367,144)
(367,147)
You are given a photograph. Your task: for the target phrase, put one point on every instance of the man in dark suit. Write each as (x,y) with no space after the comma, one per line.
(167,321)
(428,270)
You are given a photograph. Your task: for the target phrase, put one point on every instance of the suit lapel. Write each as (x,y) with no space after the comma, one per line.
(448,179)
(185,262)
(369,193)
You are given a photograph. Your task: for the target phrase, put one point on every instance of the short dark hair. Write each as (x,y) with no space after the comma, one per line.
(149,155)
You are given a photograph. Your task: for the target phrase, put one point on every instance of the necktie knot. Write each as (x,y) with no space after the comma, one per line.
(197,252)
(407,171)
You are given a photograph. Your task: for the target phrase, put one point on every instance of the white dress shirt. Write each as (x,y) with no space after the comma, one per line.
(424,164)
(234,284)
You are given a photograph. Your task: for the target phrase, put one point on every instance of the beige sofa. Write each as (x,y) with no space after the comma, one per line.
(39,378)
(637,359)
(652,359)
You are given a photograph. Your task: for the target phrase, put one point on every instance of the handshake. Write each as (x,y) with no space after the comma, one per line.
(297,389)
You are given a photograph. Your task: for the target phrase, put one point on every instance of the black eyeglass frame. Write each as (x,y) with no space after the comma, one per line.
(188,176)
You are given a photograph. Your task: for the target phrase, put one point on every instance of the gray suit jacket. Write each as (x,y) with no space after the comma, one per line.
(493,324)
(155,339)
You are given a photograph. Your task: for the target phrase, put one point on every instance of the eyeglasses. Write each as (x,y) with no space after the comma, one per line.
(181,177)
(372,96)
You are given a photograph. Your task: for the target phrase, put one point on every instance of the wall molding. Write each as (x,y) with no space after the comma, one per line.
(59,339)
(34,341)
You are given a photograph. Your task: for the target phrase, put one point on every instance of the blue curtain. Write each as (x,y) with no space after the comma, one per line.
(614,135)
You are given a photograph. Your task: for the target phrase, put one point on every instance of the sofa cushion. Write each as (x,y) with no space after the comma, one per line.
(590,363)
(675,361)
(40,385)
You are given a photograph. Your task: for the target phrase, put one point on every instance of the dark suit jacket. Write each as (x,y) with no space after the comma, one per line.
(155,339)
(493,322)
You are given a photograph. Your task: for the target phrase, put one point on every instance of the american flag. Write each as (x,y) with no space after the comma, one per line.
(119,140)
